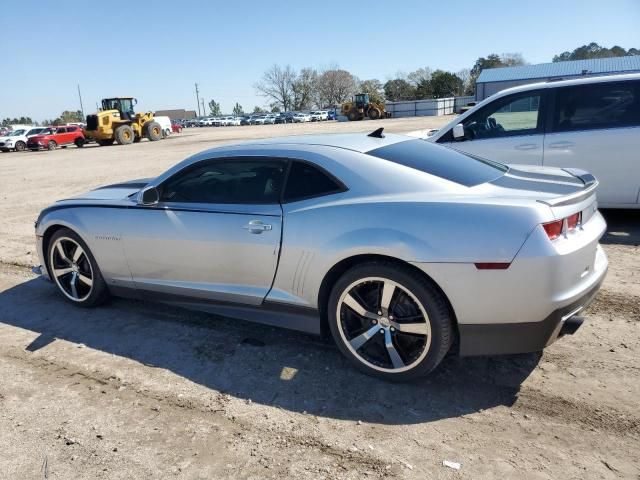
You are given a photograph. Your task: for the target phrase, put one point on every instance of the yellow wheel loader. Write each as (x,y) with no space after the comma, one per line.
(362,107)
(116,121)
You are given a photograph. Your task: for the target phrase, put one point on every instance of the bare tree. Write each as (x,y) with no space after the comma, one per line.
(335,86)
(467,84)
(419,76)
(304,89)
(512,59)
(374,88)
(277,85)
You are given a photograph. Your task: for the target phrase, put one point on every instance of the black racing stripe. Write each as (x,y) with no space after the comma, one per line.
(54,208)
(123,185)
(507,181)
(544,176)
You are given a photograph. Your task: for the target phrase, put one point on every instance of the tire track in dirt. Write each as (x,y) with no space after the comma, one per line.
(578,412)
(343,460)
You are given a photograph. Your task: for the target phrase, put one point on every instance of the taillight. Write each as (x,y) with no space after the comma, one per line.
(553,229)
(573,220)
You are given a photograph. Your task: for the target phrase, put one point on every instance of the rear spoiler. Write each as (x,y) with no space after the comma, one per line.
(590,186)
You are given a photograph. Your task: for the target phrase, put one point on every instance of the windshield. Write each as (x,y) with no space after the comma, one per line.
(16,133)
(120,104)
(441,162)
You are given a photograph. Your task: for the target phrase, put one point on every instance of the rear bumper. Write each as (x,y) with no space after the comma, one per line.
(510,338)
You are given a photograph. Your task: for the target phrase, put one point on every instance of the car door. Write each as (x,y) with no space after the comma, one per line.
(596,127)
(60,136)
(215,233)
(507,130)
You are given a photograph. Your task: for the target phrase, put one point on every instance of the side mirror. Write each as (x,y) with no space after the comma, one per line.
(458,131)
(149,196)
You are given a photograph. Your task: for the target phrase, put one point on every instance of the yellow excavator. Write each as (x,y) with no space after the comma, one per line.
(362,107)
(116,121)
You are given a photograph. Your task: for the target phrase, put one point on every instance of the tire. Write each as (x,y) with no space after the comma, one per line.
(20,146)
(379,344)
(374,113)
(153,131)
(124,135)
(353,116)
(79,142)
(52,145)
(78,278)
(167,132)
(105,143)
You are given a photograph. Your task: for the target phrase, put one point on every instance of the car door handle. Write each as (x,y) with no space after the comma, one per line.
(526,146)
(559,145)
(256,226)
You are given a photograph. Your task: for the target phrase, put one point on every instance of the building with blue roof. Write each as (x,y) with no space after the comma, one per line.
(493,80)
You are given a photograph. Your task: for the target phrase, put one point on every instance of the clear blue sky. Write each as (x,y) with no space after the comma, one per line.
(156,50)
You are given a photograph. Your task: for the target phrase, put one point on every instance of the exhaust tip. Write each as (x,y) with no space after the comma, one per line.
(571,325)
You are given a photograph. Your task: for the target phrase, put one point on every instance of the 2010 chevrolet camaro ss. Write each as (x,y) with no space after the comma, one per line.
(398,247)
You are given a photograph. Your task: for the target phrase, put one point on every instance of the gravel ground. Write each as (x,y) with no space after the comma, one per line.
(136,390)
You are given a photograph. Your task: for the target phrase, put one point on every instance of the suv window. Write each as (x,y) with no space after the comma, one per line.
(602,105)
(441,162)
(61,130)
(227,181)
(306,181)
(513,115)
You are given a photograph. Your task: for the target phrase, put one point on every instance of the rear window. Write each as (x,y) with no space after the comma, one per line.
(441,162)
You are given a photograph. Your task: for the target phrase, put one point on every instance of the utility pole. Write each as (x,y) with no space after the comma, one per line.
(203,110)
(81,107)
(198,99)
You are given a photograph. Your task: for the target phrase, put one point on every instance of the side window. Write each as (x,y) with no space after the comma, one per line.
(61,130)
(509,116)
(227,181)
(603,105)
(306,181)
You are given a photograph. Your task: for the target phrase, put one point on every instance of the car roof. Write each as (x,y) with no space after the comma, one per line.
(358,142)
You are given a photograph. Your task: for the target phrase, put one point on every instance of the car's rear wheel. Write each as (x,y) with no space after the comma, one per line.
(20,146)
(390,321)
(74,270)
(79,142)
(52,145)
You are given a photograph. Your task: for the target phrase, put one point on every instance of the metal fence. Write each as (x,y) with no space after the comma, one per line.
(429,107)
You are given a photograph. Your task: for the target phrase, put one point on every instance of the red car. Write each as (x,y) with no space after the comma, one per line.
(176,127)
(54,137)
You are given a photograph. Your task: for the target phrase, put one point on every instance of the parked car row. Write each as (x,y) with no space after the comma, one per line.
(259,119)
(50,138)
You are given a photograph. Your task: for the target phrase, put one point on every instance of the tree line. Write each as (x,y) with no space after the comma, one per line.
(68,116)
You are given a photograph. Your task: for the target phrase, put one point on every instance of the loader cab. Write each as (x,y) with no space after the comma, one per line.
(124,105)
(362,100)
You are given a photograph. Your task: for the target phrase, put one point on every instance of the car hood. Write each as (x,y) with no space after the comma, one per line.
(116,191)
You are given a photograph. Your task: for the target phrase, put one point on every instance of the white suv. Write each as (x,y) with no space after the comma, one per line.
(17,139)
(591,123)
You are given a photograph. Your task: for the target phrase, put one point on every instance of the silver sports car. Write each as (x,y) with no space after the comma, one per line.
(400,248)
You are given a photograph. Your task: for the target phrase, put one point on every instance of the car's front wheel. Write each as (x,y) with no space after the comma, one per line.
(390,321)
(74,270)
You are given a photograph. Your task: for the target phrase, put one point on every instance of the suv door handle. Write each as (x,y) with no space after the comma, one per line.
(526,146)
(256,226)
(559,145)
